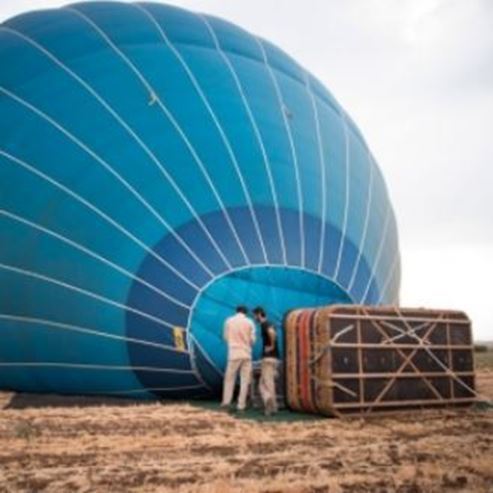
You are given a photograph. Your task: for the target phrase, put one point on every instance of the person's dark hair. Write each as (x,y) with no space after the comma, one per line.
(259,311)
(242,309)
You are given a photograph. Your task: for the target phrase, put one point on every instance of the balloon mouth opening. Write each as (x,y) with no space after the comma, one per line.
(177,307)
(278,289)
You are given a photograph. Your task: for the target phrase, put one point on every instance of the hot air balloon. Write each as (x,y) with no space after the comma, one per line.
(157,168)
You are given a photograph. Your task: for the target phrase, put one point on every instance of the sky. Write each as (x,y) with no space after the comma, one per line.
(417,78)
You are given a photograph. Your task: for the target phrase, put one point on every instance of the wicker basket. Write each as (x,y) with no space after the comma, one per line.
(359,359)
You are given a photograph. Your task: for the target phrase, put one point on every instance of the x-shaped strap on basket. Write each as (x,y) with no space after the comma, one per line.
(440,363)
(407,359)
(412,331)
(327,346)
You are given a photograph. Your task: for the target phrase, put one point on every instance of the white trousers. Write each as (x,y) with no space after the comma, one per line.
(244,367)
(267,384)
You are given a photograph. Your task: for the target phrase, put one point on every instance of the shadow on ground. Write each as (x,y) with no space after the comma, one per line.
(37,401)
(26,401)
(257,414)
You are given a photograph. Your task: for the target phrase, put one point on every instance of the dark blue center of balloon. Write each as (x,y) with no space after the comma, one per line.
(207,291)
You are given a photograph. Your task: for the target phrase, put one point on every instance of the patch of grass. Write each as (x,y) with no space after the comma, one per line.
(284,415)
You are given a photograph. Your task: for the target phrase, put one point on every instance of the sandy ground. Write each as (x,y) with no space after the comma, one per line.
(76,444)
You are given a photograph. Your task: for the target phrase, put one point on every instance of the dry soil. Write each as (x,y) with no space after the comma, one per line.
(60,444)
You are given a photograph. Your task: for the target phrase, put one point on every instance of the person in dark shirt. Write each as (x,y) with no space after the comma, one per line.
(270,358)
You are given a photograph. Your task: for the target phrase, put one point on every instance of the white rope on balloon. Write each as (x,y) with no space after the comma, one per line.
(144,390)
(390,275)
(108,168)
(256,130)
(347,189)
(392,260)
(206,356)
(85,292)
(90,366)
(205,101)
(56,325)
(127,128)
(91,253)
(365,227)
(323,166)
(156,99)
(294,156)
(383,238)
(94,209)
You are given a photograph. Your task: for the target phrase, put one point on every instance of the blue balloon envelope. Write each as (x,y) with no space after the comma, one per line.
(159,167)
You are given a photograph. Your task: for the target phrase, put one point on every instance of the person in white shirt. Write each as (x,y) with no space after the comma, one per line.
(239,334)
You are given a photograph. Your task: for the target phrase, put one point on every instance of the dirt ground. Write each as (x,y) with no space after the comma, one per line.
(60,444)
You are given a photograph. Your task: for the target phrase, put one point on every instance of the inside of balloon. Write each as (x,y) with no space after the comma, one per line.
(277,289)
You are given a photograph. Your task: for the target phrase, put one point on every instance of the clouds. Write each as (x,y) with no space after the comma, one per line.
(456,38)
(417,77)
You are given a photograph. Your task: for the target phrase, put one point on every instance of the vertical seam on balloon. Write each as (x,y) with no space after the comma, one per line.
(365,227)
(86,330)
(255,130)
(394,223)
(322,172)
(192,358)
(392,234)
(206,356)
(91,253)
(347,191)
(379,254)
(171,118)
(102,162)
(207,104)
(129,130)
(97,211)
(390,276)
(282,108)
(86,292)
(397,281)
(395,300)
(197,374)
